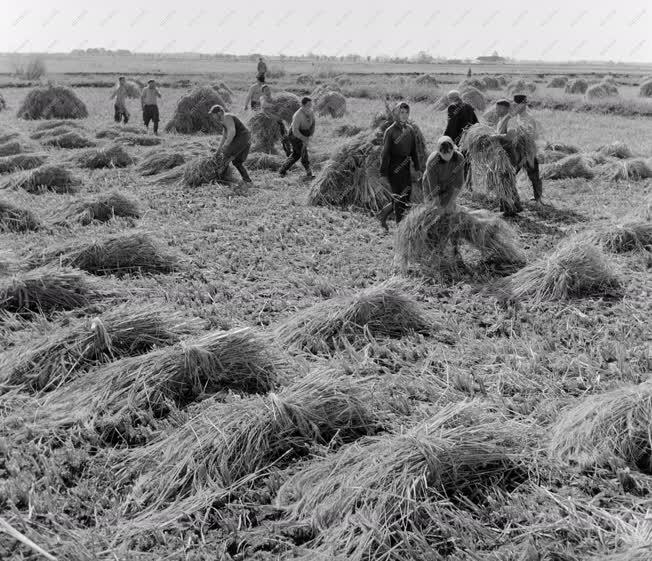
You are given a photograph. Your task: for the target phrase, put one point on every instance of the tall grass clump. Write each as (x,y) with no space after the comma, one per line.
(387,309)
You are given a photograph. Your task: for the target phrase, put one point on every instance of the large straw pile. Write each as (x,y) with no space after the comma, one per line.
(68,140)
(425,234)
(46,290)
(103,208)
(45,178)
(229,444)
(387,309)
(601,91)
(578,86)
(427,80)
(620,238)
(160,160)
(120,254)
(133,89)
(558,82)
(52,102)
(569,167)
(16,219)
(521,86)
(191,114)
(576,269)
(395,496)
(113,156)
(223,91)
(475,83)
(474,97)
(351,178)
(617,149)
(635,169)
(611,429)
(331,103)
(207,169)
(645,89)
(54,359)
(285,105)
(265,133)
(491,82)
(305,80)
(491,163)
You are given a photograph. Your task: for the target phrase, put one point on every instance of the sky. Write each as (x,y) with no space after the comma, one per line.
(552,30)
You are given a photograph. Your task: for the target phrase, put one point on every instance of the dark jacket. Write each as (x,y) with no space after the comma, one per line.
(399,145)
(460,116)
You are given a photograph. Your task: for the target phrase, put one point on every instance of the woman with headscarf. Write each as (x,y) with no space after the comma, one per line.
(444,176)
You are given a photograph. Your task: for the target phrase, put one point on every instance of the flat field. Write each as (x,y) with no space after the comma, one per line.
(437,442)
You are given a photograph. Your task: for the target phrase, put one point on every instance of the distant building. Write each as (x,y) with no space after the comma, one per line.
(493,58)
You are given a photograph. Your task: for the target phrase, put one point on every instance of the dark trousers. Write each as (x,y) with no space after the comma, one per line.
(150,113)
(120,113)
(535,178)
(239,150)
(299,152)
(400,182)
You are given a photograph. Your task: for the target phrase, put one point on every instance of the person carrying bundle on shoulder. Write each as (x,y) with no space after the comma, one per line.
(269,108)
(399,149)
(149,102)
(236,140)
(461,115)
(302,130)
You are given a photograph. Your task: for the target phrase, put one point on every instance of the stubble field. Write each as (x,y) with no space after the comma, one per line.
(440,441)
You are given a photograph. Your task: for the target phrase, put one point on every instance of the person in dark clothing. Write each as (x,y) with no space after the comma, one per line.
(261,68)
(399,147)
(301,131)
(236,139)
(460,116)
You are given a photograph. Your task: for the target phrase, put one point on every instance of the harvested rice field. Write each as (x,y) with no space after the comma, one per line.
(192,368)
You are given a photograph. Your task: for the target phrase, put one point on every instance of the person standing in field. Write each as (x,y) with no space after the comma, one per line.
(460,116)
(120,114)
(254,93)
(261,68)
(301,131)
(149,102)
(268,107)
(236,140)
(399,148)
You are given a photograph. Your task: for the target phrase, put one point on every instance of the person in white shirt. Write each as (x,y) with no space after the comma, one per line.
(120,106)
(149,101)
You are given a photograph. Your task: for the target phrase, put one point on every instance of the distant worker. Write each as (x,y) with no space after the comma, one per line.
(236,139)
(262,68)
(268,106)
(302,130)
(120,106)
(149,102)
(461,115)
(469,73)
(521,119)
(254,93)
(399,148)
(444,176)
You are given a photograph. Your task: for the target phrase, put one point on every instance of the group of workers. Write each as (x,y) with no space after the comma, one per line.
(448,169)
(441,177)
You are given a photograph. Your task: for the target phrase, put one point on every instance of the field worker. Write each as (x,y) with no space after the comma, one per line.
(444,176)
(399,148)
(268,107)
(262,68)
(503,117)
(460,116)
(521,118)
(149,102)
(236,139)
(254,93)
(301,131)
(500,111)
(120,106)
